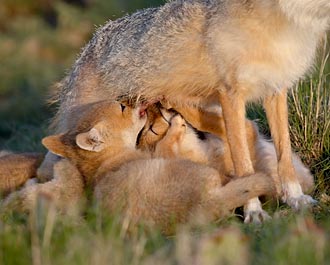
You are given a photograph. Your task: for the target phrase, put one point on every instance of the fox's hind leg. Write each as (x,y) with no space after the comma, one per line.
(222,199)
(277,115)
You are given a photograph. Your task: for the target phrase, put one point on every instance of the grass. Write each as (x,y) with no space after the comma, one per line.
(32,61)
(44,238)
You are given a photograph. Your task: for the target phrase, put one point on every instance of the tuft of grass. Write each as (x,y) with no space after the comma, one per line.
(309,118)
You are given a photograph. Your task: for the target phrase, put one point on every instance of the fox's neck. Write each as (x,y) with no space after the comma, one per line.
(114,162)
(91,164)
(89,167)
(308,14)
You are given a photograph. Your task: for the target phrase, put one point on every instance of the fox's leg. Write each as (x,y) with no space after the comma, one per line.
(209,118)
(222,199)
(203,120)
(169,146)
(277,115)
(233,108)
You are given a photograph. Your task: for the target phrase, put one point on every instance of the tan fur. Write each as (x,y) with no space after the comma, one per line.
(154,129)
(209,118)
(16,169)
(244,50)
(263,156)
(65,191)
(155,190)
(177,140)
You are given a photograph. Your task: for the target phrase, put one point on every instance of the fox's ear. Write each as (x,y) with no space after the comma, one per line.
(91,140)
(55,145)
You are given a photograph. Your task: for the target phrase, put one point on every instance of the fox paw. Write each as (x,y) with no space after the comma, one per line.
(178,124)
(178,121)
(295,198)
(300,203)
(256,217)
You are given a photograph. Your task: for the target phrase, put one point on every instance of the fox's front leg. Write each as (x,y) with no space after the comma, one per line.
(277,114)
(203,119)
(233,108)
(169,146)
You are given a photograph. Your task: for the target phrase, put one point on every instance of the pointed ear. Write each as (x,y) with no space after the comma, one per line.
(91,141)
(55,145)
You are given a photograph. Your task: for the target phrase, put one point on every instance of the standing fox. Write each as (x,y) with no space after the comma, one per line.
(239,50)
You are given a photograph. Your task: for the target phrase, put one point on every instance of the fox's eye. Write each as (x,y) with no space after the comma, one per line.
(122,107)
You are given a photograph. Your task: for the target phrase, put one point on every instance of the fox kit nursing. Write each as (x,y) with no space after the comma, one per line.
(176,181)
(186,50)
(158,191)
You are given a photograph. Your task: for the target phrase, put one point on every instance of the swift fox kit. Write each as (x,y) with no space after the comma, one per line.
(158,191)
(244,50)
(178,140)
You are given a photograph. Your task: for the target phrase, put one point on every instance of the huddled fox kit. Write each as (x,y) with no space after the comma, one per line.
(179,175)
(237,50)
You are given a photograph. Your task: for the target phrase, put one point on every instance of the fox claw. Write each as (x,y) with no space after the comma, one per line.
(256,217)
(300,203)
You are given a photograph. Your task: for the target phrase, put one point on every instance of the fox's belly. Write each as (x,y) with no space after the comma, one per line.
(260,79)
(257,81)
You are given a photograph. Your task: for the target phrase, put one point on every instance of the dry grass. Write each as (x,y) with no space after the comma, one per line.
(310,121)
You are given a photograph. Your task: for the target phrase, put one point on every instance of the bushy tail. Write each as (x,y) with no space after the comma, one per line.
(237,192)
(16,169)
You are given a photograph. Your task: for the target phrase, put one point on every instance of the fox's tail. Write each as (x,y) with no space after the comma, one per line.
(237,192)
(16,169)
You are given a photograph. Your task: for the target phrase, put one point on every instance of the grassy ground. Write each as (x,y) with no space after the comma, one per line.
(32,61)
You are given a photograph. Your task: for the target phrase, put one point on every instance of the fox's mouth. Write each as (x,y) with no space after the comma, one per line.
(146,104)
(143,110)
(142,113)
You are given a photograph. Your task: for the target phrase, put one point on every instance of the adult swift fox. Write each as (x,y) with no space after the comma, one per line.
(158,191)
(188,49)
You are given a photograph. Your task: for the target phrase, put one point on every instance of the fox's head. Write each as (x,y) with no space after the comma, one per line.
(156,127)
(98,131)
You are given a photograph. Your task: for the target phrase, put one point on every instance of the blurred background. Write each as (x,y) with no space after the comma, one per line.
(39,41)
